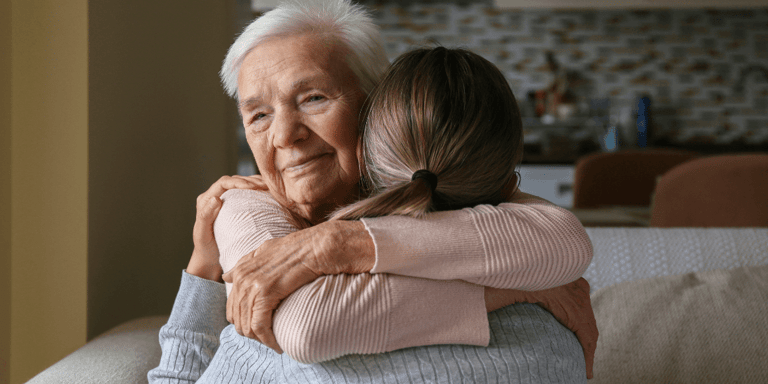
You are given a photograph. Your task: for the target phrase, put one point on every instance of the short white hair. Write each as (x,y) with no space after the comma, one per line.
(350,24)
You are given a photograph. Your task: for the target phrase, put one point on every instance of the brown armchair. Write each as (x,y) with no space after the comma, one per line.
(717,191)
(625,177)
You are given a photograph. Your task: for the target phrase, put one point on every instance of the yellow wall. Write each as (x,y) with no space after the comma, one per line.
(5,191)
(49,181)
(117,123)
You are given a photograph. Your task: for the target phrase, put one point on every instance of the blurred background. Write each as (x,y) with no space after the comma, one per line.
(113,121)
(587,75)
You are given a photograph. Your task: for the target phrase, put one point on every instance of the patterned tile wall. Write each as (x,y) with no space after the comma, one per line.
(690,62)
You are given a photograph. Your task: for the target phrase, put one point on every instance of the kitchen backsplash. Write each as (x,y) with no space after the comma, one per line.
(687,61)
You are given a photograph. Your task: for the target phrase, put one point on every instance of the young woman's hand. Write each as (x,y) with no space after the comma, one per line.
(205,256)
(570,304)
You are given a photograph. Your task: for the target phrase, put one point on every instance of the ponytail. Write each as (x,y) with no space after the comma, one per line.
(438,114)
(412,198)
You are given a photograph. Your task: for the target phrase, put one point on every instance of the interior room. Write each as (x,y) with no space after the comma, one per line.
(114,121)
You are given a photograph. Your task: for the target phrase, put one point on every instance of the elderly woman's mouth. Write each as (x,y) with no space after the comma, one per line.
(298,167)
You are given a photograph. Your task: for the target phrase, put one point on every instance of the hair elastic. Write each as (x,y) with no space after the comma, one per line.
(428,176)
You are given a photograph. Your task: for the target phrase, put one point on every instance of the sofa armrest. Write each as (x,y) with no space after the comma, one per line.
(123,354)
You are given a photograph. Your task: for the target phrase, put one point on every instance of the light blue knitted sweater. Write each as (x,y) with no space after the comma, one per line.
(527,345)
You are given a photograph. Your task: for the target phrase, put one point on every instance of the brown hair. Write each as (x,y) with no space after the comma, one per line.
(448,111)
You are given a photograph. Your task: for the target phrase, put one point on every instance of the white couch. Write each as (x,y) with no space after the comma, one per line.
(673,305)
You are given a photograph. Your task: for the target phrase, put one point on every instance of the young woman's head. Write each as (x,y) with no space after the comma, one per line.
(448,114)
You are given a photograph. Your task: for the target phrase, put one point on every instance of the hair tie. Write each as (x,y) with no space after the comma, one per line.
(428,176)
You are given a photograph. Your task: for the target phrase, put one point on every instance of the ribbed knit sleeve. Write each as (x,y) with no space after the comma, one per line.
(528,244)
(246,220)
(341,314)
(344,314)
(190,338)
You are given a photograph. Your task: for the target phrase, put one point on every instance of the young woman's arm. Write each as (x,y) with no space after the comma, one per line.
(528,244)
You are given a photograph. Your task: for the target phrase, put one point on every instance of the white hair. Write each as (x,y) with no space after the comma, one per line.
(348,23)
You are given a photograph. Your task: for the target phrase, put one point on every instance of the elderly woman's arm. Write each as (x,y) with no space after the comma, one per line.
(350,312)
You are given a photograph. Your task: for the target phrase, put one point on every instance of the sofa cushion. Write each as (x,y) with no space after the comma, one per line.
(703,327)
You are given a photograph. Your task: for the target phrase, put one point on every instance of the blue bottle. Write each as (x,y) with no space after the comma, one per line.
(643,120)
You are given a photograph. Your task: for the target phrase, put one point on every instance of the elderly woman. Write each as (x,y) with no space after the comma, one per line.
(300,86)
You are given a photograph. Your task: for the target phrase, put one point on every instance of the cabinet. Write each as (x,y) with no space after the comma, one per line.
(630,4)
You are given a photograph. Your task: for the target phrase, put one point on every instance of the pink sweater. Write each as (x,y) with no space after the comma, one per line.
(432,291)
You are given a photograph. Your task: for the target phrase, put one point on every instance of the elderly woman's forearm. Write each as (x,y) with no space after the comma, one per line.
(347,248)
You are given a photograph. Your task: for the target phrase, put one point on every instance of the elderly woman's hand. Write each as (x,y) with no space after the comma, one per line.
(262,279)
(205,256)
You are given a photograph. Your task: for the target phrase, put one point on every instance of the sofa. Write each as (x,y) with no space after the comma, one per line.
(673,305)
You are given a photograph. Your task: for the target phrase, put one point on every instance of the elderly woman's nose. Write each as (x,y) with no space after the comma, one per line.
(287,129)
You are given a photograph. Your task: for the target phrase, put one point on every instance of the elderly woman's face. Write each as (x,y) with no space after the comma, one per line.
(300,103)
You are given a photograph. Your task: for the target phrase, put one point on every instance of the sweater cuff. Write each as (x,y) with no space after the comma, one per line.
(435,317)
(200,306)
(415,247)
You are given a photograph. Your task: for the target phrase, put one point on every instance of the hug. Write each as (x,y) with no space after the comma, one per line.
(384,238)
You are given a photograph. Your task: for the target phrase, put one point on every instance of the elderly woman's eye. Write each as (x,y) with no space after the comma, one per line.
(256,122)
(315,98)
